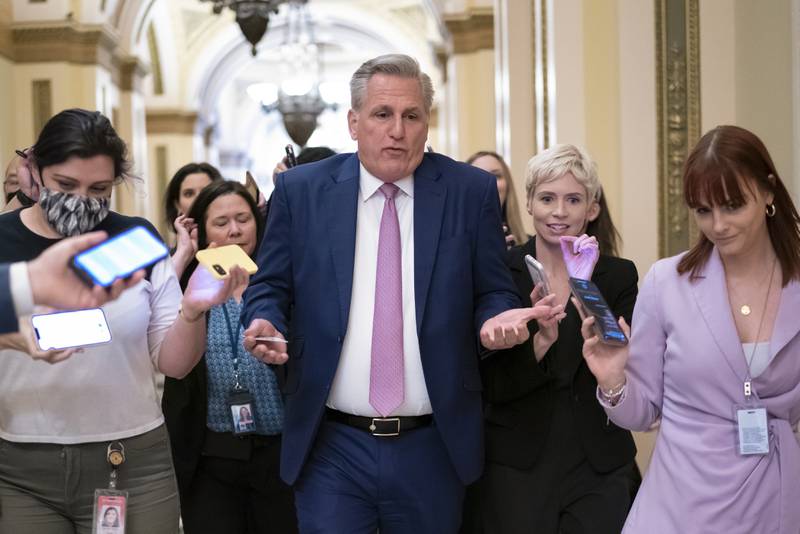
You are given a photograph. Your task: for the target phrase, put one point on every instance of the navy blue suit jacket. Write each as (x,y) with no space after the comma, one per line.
(8,318)
(305,278)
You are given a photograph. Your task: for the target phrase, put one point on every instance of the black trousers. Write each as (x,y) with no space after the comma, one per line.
(561,494)
(234,496)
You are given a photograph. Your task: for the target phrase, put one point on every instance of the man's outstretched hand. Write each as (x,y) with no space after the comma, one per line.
(510,328)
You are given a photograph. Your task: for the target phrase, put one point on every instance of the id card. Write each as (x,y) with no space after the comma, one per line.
(109,511)
(243,412)
(752,430)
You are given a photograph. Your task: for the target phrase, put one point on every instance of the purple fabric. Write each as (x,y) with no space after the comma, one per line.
(687,367)
(386,370)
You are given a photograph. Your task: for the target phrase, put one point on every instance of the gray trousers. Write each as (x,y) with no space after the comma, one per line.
(49,489)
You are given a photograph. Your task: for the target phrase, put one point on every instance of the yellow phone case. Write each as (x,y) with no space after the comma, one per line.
(220,260)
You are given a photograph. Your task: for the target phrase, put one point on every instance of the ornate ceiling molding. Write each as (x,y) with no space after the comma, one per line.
(69,42)
(77,44)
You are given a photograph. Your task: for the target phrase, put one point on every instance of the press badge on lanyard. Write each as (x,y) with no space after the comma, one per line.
(241,405)
(111,504)
(751,424)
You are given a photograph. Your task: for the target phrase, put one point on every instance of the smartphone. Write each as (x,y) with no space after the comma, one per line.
(536,270)
(62,330)
(119,256)
(593,303)
(271,338)
(220,260)
(291,161)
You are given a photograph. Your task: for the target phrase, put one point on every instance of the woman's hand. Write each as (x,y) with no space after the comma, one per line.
(580,255)
(548,326)
(186,230)
(204,291)
(606,362)
(28,174)
(23,341)
(186,243)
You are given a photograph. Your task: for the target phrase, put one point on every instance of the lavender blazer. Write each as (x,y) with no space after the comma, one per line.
(687,367)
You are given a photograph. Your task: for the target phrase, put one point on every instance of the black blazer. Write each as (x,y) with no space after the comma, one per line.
(519,391)
(185,407)
(185,403)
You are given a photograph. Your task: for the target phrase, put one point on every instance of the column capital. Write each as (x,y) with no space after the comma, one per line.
(471,30)
(171,121)
(129,73)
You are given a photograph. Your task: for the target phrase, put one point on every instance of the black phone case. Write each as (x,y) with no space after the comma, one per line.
(594,304)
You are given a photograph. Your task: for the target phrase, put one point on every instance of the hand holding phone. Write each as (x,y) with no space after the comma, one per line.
(593,304)
(291,160)
(220,260)
(274,339)
(538,275)
(67,329)
(265,342)
(119,257)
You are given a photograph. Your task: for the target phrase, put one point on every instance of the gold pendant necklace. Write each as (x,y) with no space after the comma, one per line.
(744,310)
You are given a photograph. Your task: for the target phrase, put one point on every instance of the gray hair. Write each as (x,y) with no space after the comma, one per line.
(558,160)
(399,65)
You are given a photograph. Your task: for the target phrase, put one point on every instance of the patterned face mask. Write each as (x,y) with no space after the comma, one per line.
(72,215)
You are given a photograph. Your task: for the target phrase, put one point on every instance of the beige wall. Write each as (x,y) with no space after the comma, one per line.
(747,73)
(764,76)
(514,104)
(8,138)
(601,96)
(474,91)
(72,86)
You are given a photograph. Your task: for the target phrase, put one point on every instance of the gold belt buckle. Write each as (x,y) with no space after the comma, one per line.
(373,428)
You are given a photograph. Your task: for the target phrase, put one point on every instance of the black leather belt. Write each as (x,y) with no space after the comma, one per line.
(380,426)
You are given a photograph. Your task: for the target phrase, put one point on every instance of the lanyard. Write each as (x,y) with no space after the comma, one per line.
(748,382)
(234,347)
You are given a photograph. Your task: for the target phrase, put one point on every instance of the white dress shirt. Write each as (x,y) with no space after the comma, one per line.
(350,388)
(21,292)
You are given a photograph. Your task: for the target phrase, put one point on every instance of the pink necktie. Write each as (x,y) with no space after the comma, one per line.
(386,369)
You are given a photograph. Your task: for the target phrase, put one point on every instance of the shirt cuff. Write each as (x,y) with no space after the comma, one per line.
(21,292)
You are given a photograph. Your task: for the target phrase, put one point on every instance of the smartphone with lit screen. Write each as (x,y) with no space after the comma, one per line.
(220,260)
(538,275)
(66,329)
(593,303)
(119,256)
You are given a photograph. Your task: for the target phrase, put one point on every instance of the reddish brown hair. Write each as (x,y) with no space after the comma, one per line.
(725,160)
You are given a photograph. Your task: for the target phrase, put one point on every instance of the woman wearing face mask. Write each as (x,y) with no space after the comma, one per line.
(715,354)
(554,462)
(58,422)
(228,481)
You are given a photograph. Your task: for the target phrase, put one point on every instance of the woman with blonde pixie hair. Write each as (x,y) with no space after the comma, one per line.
(555,463)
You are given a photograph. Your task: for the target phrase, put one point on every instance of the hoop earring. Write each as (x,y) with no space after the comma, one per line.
(771,210)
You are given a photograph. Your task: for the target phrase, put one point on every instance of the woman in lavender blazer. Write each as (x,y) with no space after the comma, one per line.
(708,325)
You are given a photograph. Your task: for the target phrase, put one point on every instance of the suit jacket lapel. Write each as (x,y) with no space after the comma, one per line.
(711,296)
(341,209)
(429,197)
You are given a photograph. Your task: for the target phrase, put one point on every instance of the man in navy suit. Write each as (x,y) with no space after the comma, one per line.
(385,271)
